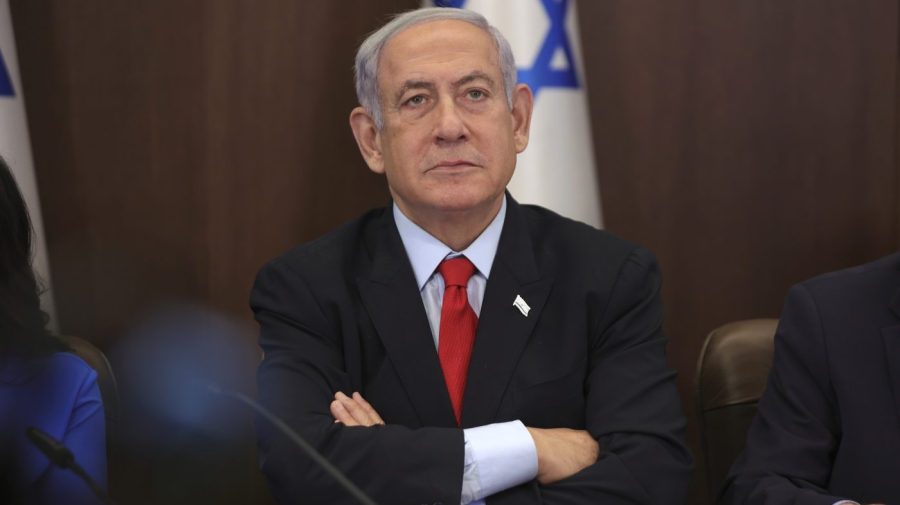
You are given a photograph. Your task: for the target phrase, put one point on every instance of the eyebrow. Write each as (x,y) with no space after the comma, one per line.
(408,85)
(427,85)
(474,76)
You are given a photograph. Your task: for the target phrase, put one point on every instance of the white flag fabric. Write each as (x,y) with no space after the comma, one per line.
(16,149)
(557,169)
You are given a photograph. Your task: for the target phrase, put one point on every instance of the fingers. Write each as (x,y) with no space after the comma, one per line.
(341,414)
(369,410)
(355,411)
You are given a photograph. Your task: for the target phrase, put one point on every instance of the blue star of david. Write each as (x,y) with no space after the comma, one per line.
(6,88)
(542,74)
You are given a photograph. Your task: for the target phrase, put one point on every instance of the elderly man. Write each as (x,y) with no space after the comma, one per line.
(459,347)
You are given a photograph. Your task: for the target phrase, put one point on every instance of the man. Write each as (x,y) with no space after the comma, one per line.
(828,426)
(458,346)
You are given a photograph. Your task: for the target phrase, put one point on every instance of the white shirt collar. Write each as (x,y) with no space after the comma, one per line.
(426,252)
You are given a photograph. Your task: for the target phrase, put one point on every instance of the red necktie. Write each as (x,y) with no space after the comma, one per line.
(457,333)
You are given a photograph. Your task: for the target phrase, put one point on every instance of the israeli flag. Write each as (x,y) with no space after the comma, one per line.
(16,150)
(557,169)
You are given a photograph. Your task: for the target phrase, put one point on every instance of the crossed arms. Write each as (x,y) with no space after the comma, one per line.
(626,448)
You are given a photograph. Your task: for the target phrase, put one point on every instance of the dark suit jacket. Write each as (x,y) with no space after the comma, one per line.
(344,313)
(828,425)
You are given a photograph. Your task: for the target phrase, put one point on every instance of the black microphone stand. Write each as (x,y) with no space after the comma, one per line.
(61,456)
(310,451)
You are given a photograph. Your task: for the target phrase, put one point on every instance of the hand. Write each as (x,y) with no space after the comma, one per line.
(354,411)
(563,452)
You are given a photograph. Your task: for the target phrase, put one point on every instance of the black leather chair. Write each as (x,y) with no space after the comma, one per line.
(732,372)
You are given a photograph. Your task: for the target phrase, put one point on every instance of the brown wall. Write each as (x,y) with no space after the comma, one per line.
(750,145)
(178,145)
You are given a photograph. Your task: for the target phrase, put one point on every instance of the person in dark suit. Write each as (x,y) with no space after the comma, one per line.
(459,347)
(828,426)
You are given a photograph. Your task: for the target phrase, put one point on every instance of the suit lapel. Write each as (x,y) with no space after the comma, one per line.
(891,336)
(503,330)
(389,292)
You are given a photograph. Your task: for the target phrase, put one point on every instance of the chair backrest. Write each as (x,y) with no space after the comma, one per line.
(106,379)
(732,372)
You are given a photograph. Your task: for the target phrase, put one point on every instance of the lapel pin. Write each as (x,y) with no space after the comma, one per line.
(521,305)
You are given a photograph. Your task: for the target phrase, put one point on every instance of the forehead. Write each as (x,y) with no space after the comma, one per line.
(435,48)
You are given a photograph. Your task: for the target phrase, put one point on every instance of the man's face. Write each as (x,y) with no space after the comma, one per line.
(449,140)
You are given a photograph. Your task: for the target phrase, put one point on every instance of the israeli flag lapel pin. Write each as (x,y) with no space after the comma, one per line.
(521,305)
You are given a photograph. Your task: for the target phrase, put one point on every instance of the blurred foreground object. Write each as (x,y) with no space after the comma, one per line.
(177,440)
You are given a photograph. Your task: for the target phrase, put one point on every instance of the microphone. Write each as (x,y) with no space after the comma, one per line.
(61,456)
(294,437)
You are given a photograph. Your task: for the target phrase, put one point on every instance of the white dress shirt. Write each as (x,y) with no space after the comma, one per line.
(497,456)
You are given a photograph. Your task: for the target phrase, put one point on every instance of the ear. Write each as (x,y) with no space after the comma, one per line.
(523,102)
(367,138)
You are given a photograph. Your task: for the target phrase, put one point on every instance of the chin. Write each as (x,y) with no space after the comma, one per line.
(465,201)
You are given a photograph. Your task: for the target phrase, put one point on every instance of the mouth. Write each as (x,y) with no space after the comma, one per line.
(453,165)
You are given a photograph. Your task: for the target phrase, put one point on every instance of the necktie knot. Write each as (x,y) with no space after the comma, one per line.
(456,271)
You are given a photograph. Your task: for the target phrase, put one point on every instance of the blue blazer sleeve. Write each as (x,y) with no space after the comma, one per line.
(59,395)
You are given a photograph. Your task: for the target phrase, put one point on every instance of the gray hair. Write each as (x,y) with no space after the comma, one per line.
(366,65)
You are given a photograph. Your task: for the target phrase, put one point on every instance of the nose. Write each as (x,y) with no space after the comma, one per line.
(450,127)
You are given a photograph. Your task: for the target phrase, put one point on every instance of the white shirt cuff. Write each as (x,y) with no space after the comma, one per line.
(497,457)
(845,502)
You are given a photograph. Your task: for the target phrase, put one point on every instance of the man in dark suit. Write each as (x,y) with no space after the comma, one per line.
(459,347)
(828,426)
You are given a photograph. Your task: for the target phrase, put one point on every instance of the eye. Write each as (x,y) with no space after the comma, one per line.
(416,101)
(476,94)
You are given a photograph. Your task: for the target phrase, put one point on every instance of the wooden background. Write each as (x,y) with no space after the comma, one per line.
(178,145)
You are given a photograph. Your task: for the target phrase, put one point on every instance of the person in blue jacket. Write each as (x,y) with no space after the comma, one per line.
(42,384)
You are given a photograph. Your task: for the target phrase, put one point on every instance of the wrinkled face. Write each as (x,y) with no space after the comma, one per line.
(449,140)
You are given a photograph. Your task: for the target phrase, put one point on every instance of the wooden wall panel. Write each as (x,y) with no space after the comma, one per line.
(181,145)
(112,160)
(178,146)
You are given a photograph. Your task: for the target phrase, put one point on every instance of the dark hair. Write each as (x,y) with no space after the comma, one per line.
(23,325)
